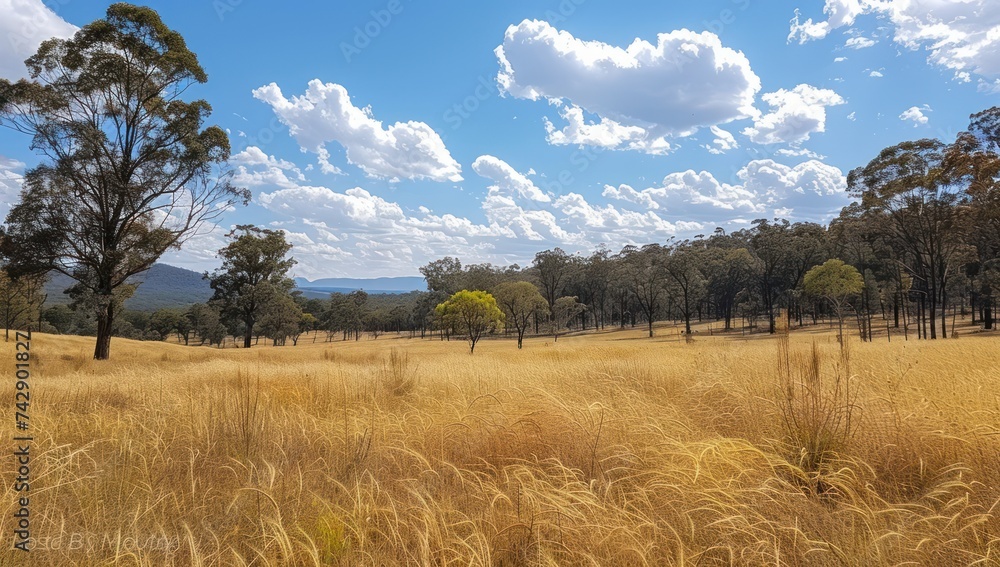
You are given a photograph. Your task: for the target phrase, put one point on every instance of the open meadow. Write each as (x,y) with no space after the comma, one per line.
(600,449)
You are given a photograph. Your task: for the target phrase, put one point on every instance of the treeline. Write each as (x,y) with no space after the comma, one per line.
(923,237)
(206,324)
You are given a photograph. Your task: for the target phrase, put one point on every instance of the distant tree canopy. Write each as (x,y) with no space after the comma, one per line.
(565,309)
(835,282)
(21,300)
(128,171)
(520,303)
(254,278)
(471,314)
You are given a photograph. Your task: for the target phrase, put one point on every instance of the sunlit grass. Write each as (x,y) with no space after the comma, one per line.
(607,449)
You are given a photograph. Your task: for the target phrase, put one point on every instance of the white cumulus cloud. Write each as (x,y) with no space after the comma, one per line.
(508,181)
(606,133)
(962,36)
(839,13)
(24,25)
(11,179)
(811,189)
(859,42)
(325,113)
(795,115)
(723,142)
(639,94)
(916,115)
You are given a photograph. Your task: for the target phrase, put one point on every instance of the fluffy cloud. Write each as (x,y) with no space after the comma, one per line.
(606,134)
(776,182)
(609,224)
(508,181)
(252,155)
(796,114)
(324,113)
(839,13)
(801,152)
(859,43)
(723,142)
(10,183)
(24,25)
(810,189)
(962,36)
(254,168)
(690,194)
(916,115)
(639,94)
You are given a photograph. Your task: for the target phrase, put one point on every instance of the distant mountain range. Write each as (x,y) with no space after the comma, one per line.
(165,286)
(371,285)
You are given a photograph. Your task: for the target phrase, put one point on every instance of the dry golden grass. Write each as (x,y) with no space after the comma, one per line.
(605,449)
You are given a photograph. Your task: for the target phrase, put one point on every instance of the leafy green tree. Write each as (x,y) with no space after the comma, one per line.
(564,311)
(772,246)
(357,312)
(377,321)
(205,321)
(974,162)
(552,269)
(684,266)
(520,302)
(443,275)
(910,185)
(728,269)
(167,321)
(61,317)
(471,313)
(645,276)
(836,282)
(21,299)
(307,324)
(254,272)
(281,318)
(127,172)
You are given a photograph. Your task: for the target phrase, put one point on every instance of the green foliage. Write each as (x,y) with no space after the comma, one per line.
(168,321)
(564,310)
(833,280)
(471,313)
(520,302)
(253,274)
(20,300)
(127,169)
(836,282)
(281,318)
(205,321)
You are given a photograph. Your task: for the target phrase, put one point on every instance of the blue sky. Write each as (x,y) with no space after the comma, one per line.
(382,135)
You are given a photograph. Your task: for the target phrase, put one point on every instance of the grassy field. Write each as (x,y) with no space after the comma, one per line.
(605,449)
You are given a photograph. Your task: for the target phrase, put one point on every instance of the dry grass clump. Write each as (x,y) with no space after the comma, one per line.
(596,450)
